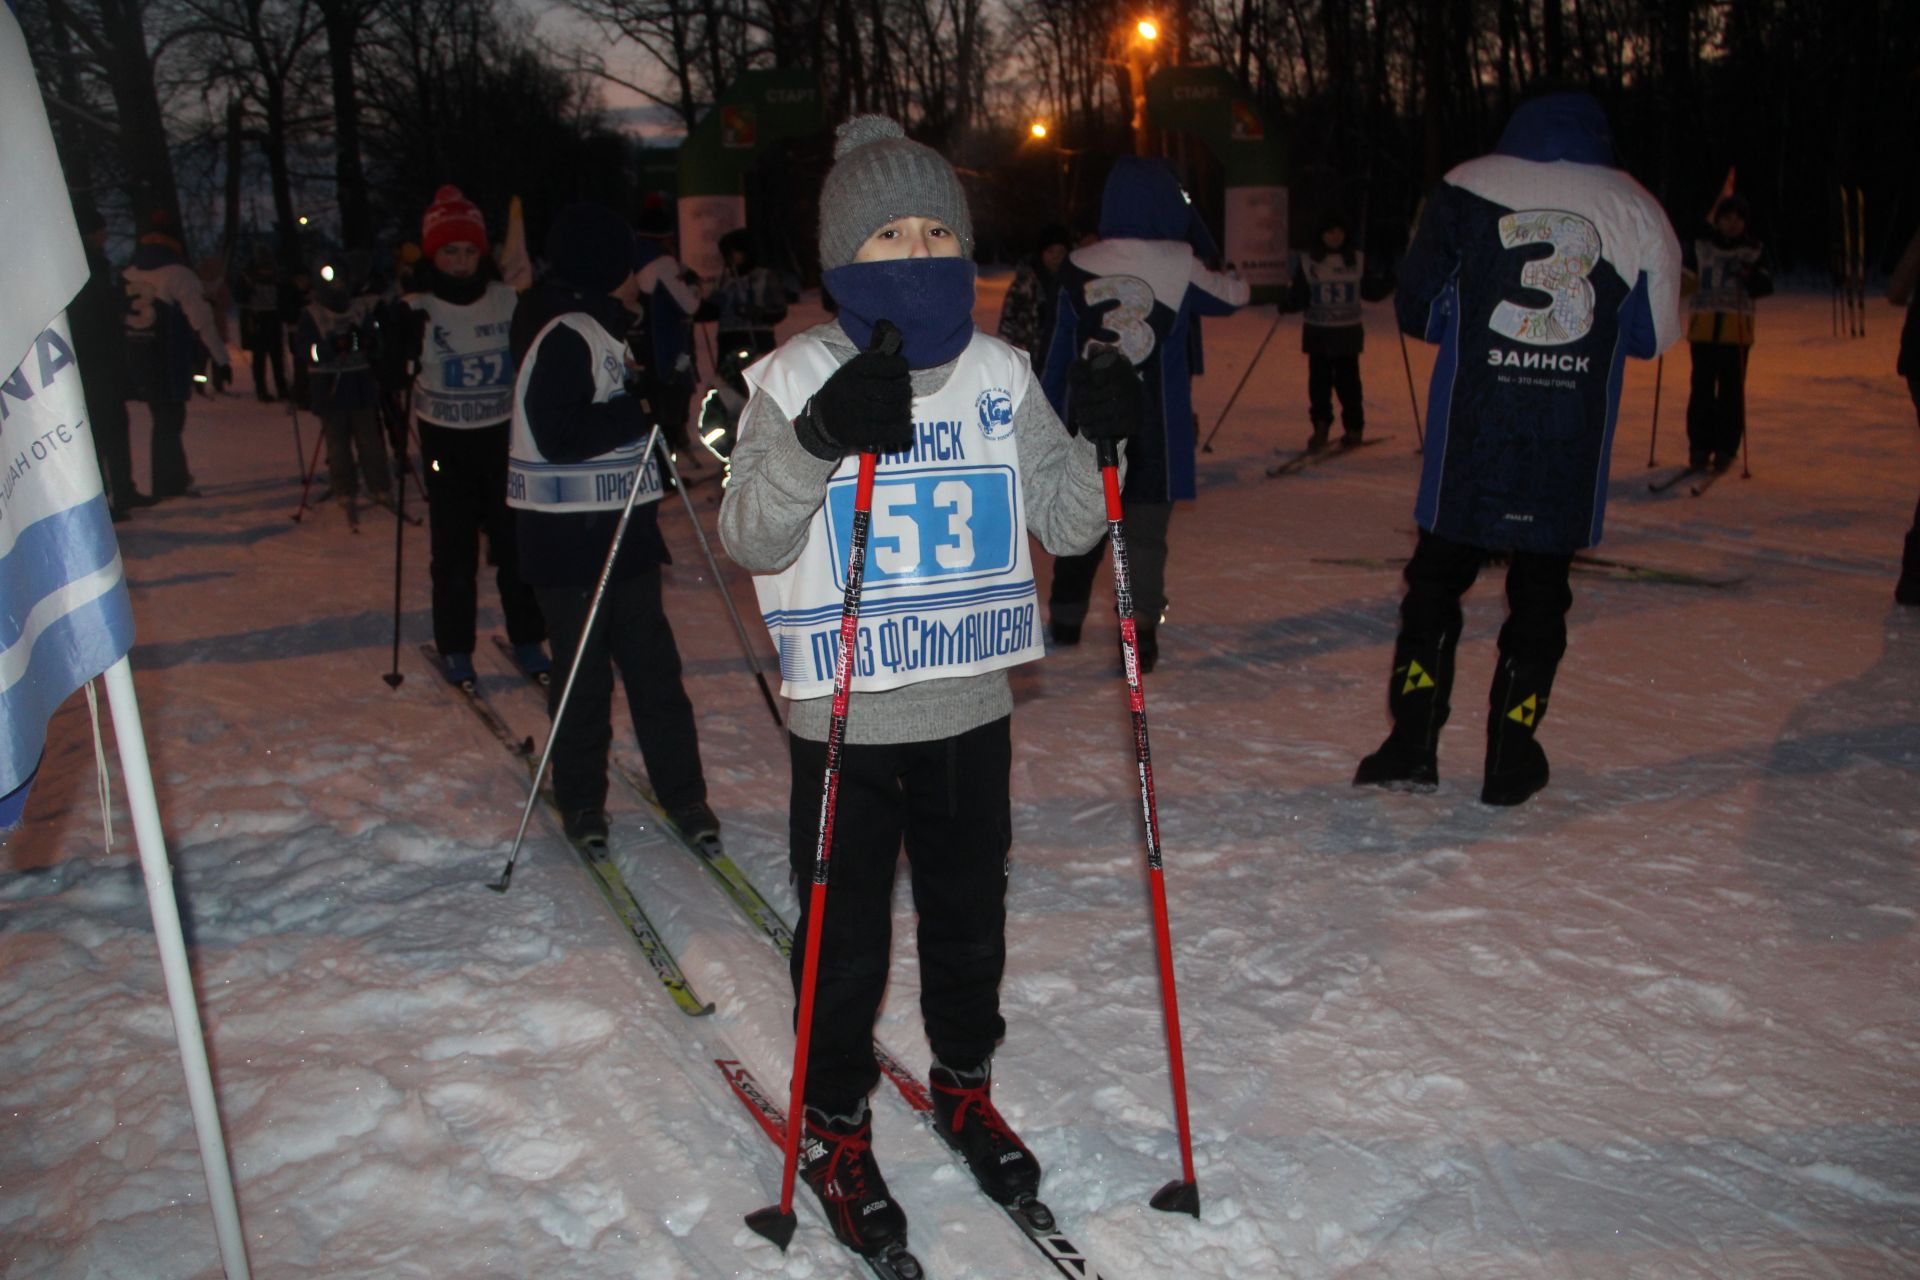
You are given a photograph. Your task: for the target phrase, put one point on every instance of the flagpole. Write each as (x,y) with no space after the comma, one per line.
(173,964)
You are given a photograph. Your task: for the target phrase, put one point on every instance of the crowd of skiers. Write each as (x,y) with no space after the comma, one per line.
(539,416)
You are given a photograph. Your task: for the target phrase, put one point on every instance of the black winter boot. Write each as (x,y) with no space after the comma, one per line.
(1516,766)
(968,1121)
(1418,699)
(836,1159)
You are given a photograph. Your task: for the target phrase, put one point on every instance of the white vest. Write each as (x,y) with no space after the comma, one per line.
(1333,290)
(1722,285)
(948,588)
(466,367)
(598,484)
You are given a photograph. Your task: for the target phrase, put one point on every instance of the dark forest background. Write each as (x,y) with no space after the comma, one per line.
(242,116)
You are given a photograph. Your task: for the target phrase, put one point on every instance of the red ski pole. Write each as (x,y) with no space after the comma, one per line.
(776,1222)
(1182,1195)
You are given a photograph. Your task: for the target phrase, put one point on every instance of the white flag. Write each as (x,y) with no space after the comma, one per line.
(64,612)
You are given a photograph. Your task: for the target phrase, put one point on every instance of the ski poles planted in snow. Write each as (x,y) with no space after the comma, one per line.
(579,651)
(777,1222)
(1183,1194)
(1659,368)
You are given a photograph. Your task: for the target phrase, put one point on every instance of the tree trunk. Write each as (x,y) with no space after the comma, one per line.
(342,24)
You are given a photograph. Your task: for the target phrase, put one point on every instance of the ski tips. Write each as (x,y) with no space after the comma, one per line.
(775,1224)
(393,679)
(1178,1197)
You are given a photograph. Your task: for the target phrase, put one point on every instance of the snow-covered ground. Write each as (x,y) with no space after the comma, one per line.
(1659,1022)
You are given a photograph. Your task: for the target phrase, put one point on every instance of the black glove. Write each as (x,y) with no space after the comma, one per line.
(1105,400)
(866,404)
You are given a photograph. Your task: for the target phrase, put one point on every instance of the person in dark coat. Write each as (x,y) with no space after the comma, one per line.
(97,319)
(1726,273)
(170,332)
(1538,269)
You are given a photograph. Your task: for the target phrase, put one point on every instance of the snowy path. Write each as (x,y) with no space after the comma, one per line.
(1659,1022)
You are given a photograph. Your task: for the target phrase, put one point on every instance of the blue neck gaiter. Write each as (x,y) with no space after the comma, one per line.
(930,300)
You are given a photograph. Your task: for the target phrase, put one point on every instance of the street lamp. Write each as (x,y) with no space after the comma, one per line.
(1038,129)
(1139,53)
(1149,29)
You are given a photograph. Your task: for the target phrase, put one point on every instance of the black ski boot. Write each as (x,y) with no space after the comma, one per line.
(1417,697)
(836,1160)
(1516,766)
(1318,440)
(970,1124)
(586,828)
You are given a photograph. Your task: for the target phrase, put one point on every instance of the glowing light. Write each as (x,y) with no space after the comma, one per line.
(1038,129)
(1148,29)
(326,273)
(303,219)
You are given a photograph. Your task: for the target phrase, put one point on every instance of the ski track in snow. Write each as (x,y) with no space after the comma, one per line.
(1658,1022)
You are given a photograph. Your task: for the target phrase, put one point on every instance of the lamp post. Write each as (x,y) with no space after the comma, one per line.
(1140,47)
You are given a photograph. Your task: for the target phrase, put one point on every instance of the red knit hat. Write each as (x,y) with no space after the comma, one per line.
(450,218)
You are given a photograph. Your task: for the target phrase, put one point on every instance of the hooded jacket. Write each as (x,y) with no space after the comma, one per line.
(1139,289)
(1538,270)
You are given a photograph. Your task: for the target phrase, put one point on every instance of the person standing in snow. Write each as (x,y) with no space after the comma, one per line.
(1138,288)
(462,319)
(97,320)
(1329,284)
(261,332)
(576,442)
(1026,314)
(972,459)
(669,297)
(1904,290)
(1726,270)
(170,332)
(335,336)
(1538,269)
(745,305)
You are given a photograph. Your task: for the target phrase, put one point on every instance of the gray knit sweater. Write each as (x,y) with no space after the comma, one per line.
(775,486)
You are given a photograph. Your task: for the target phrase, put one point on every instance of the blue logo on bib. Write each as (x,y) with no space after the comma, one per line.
(996,413)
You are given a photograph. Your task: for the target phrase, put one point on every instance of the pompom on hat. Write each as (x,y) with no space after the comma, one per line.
(878,175)
(451,219)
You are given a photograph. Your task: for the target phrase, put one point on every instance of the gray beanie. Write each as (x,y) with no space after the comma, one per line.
(878,175)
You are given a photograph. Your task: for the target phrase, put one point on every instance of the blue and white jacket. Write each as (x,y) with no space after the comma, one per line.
(1538,269)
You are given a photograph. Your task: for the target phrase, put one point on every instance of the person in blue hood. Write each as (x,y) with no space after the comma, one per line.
(1139,289)
(170,330)
(1538,270)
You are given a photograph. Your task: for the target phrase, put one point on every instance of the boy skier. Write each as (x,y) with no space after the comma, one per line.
(1329,284)
(1524,400)
(972,459)
(1726,270)
(577,436)
(463,401)
(1138,288)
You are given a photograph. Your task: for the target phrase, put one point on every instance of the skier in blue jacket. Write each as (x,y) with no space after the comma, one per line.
(1538,269)
(1138,288)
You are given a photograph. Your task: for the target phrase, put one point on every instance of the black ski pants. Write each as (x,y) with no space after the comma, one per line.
(947,800)
(266,342)
(112,443)
(631,632)
(1145,526)
(466,470)
(1717,403)
(350,432)
(1325,376)
(169,452)
(1538,597)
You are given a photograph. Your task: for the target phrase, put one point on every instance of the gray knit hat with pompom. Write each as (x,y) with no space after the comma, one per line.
(878,175)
